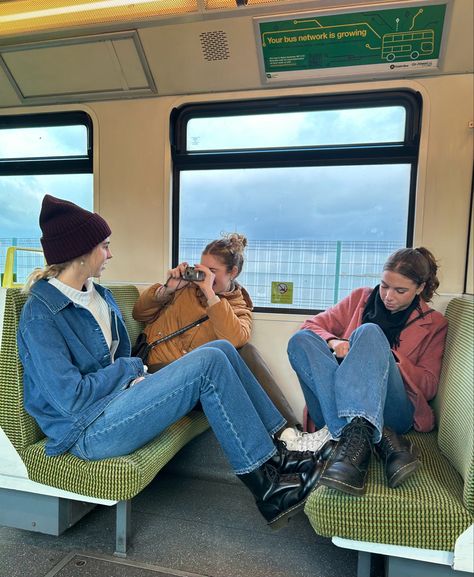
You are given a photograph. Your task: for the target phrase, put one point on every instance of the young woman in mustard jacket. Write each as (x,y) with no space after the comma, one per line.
(168,307)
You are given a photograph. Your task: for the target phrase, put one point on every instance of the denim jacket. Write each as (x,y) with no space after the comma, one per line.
(69,376)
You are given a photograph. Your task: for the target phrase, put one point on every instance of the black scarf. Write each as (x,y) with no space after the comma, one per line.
(392,324)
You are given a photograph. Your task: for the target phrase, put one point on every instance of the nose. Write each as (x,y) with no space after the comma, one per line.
(389,294)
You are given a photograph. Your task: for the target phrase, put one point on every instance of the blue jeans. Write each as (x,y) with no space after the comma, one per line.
(239,411)
(366,384)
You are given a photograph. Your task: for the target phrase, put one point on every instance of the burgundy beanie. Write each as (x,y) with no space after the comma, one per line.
(69,231)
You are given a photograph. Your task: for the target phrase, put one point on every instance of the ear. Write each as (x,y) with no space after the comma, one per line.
(420,289)
(234,273)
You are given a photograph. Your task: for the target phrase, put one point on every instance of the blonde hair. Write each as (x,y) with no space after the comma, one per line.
(49,271)
(230,249)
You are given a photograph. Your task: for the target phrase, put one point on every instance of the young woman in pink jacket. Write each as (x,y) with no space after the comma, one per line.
(368,368)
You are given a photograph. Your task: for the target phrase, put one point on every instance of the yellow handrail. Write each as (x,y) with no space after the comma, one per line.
(8,281)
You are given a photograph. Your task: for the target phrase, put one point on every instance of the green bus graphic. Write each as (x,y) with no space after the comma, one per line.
(407,44)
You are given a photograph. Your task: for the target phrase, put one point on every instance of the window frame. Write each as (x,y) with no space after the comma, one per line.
(405,152)
(48,165)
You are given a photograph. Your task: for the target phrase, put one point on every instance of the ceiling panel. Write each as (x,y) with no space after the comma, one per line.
(93,65)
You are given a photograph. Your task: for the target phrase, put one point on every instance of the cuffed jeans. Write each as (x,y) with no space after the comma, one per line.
(239,411)
(366,384)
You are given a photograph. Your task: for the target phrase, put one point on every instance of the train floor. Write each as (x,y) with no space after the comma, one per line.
(194,519)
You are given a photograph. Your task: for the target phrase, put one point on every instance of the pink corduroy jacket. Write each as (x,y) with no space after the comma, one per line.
(419,355)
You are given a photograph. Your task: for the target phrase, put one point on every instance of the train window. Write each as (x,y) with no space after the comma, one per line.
(297,129)
(323,188)
(39,154)
(43,142)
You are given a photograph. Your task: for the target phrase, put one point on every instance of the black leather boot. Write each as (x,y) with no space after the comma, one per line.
(347,466)
(280,497)
(399,455)
(287,462)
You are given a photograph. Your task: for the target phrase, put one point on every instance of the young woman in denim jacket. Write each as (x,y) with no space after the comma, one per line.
(368,368)
(92,399)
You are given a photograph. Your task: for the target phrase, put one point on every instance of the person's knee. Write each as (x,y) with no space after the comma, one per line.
(369,331)
(371,336)
(207,356)
(222,345)
(299,341)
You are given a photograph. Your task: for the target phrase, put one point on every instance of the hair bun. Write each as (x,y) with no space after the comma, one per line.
(237,241)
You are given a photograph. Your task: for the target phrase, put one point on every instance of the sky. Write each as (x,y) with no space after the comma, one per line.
(21,196)
(320,203)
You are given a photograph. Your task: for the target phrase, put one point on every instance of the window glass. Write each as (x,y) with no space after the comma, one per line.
(327,230)
(43,142)
(297,129)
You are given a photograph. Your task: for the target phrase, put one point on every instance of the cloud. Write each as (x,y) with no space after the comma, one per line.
(322,203)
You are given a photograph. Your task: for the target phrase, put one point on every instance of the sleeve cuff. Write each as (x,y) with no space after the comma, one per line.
(213,301)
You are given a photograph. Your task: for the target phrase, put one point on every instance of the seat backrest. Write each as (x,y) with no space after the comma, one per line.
(18,425)
(454,403)
(125,296)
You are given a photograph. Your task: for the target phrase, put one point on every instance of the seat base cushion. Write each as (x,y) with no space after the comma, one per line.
(426,511)
(119,478)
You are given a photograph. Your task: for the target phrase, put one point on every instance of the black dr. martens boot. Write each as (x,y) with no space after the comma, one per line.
(347,466)
(280,496)
(399,456)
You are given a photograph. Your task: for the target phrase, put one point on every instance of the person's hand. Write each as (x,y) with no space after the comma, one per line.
(206,285)
(340,348)
(175,277)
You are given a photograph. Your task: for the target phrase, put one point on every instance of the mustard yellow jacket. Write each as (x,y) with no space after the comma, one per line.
(230,319)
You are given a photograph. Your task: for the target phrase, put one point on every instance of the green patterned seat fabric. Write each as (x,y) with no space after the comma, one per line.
(119,478)
(426,511)
(432,508)
(19,427)
(454,405)
(126,295)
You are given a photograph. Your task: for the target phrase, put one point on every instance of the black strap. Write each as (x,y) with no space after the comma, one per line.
(420,316)
(175,334)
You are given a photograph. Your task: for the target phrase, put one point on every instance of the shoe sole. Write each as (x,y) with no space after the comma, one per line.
(283,518)
(403,473)
(343,487)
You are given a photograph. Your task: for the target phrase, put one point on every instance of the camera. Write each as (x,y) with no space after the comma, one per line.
(192,274)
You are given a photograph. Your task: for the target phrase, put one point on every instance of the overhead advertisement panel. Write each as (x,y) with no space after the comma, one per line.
(384,41)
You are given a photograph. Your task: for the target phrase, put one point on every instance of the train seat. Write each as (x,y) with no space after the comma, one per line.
(49,494)
(427,523)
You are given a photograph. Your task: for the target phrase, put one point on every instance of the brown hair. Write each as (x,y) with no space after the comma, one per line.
(230,249)
(417,264)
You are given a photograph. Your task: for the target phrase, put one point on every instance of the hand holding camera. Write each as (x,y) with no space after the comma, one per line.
(193,274)
(183,274)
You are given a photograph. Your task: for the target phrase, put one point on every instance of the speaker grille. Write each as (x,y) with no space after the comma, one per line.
(214,45)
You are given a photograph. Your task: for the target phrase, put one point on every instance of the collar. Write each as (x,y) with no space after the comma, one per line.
(54,299)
